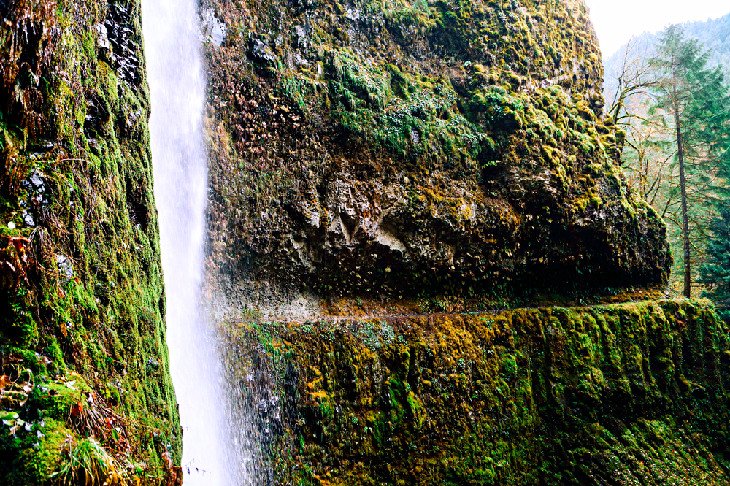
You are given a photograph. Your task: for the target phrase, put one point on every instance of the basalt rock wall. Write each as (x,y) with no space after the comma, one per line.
(85,393)
(399,158)
(400,148)
(618,394)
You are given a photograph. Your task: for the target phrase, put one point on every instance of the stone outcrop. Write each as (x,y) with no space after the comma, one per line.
(402,161)
(380,170)
(418,148)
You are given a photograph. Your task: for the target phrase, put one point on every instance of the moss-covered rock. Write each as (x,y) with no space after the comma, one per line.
(84,382)
(616,394)
(409,148)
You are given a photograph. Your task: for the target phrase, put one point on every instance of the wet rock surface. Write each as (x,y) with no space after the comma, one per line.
(380,171)
(400,149)
(617,394)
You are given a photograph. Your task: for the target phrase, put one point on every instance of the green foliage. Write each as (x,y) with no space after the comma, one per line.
(700,96)
(690,105)
(716,269)
(42,443)
(500,111)
(404,15)
(86,462)
(423,118)
(630,393)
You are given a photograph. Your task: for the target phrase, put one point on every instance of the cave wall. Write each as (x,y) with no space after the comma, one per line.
(84,383)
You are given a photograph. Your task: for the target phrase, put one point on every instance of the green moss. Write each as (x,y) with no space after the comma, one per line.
(81,300)
(38,463)
(560,395)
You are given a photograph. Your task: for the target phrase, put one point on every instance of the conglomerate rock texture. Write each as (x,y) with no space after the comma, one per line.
(85,393)
(411,148)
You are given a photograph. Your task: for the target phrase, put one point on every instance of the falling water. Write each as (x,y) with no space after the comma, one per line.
(177,87)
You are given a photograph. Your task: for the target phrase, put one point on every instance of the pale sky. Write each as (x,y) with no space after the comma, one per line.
(616,21)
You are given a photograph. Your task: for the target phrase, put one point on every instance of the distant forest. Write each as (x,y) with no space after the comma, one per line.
(668,92)
(713,35)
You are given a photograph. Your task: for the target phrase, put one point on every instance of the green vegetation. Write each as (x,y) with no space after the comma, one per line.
(423,118)
(413,117)
(560,395)
(716,269)
(86,463)
(80,280)
(674,108)
(696,101)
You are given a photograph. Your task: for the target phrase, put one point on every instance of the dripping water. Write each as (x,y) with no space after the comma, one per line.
(177,83)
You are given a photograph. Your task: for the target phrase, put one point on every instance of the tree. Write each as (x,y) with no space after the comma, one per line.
(716,270)
(693,100)
(630,87)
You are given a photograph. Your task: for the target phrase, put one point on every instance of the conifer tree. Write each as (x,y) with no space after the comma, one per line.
(694,100)
(716,270)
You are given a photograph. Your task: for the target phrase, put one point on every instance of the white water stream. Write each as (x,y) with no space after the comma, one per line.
(176,78)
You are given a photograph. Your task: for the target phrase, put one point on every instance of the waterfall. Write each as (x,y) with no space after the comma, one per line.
(177,83)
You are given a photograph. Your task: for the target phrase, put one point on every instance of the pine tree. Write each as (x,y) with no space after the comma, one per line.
(695,104)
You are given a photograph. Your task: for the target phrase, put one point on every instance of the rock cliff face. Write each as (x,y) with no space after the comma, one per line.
(371,150)
(618,394)
(418,148)
(392,157)
(85,395)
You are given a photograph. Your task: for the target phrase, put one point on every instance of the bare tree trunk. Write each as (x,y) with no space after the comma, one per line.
(685,216)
